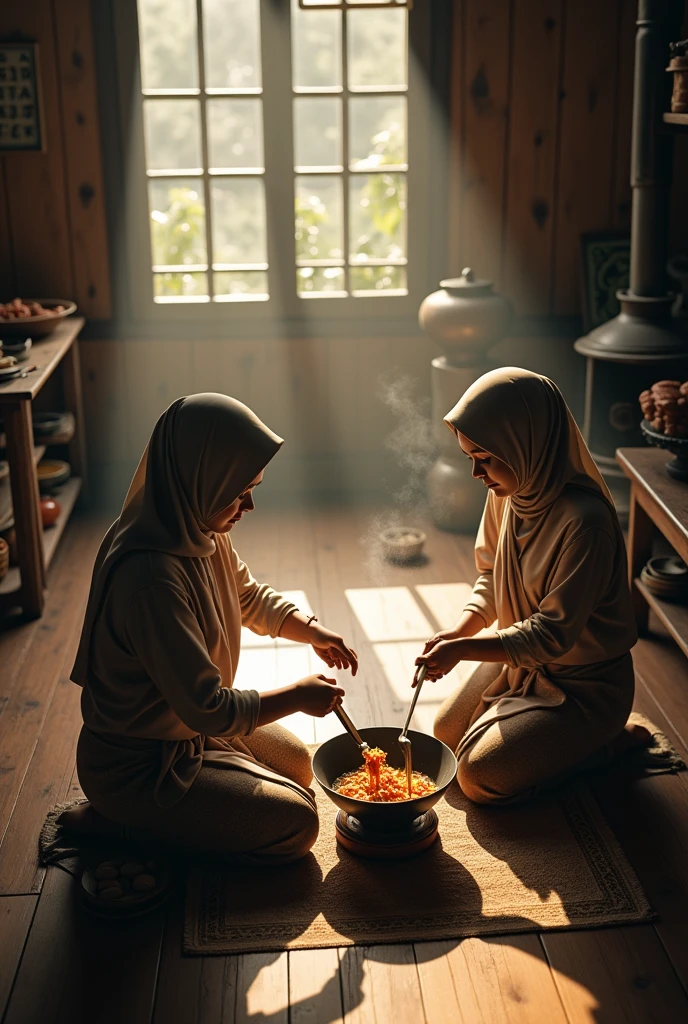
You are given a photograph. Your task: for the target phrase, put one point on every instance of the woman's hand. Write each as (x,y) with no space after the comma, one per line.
(440,659)
(444,634)
(318,695)
(331,648)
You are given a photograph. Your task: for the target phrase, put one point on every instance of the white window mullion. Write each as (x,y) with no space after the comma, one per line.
(345,153)
(279,154)
(200,43)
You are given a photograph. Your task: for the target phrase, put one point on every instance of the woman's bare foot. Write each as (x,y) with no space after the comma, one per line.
(86,820)
(632,735)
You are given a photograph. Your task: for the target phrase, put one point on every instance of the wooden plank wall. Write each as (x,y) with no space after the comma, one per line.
(542,95)
(541,117)
(53,236)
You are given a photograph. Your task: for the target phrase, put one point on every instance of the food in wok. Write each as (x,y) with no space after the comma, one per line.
(376,781)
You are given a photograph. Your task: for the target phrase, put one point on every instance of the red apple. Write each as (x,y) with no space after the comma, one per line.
(50,510)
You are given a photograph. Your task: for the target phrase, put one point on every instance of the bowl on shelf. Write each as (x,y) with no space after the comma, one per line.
(37,326)
(666,577)
(402,544)
(678,446)
(53,427)
(52,473)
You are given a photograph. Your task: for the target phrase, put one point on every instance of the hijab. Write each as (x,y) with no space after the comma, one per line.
(522,419)
(204,452)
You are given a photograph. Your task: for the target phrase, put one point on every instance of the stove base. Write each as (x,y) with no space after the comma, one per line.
(421,834)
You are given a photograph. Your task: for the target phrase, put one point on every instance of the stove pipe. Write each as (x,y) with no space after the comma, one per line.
(644,336)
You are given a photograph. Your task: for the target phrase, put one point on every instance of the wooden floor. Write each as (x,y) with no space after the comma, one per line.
(59,965)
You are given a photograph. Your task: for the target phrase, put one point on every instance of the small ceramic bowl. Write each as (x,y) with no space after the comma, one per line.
(46,423)
(663,588)
(402,543)
(670,568)
(52,473)
(19,348)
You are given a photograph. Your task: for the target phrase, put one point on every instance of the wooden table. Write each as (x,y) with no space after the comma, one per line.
(657,500)
(19,496)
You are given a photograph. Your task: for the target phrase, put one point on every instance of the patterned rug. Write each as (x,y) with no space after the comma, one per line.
(552,864)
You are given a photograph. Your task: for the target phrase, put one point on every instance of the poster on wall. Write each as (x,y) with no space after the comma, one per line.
(20,101)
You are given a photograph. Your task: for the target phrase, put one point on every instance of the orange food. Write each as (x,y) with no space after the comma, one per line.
(377,782)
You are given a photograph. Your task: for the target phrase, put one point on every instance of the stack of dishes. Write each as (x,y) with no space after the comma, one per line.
(666,578)
(9,368)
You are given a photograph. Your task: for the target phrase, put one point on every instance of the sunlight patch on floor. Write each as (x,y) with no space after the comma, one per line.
(445,601)
(389,613)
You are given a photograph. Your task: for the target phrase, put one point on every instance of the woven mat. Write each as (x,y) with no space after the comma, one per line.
(552,864)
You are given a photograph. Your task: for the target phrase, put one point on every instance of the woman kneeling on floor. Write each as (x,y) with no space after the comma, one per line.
(168,749)
(555,687)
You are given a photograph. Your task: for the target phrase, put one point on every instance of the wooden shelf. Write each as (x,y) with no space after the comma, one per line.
(67,497)
(673,616)
(676,122)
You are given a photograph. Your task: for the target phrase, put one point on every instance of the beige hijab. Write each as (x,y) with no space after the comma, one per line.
(522,418)
(204,451)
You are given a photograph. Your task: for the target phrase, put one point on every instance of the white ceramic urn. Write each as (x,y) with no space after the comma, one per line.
(465,318)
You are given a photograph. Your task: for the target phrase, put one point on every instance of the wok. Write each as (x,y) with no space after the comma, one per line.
(340,755)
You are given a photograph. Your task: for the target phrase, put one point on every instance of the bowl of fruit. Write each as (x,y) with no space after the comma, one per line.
(665,423)
(33,318)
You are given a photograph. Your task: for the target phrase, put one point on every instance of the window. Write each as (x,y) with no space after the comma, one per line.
(283,152)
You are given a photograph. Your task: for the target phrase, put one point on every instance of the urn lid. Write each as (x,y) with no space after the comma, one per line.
(467,285)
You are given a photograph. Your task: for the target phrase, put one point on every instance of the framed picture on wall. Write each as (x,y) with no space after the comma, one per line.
(606,262)
(21,128)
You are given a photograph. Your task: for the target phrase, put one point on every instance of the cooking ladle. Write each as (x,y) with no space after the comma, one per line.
(404,741)
(350,728)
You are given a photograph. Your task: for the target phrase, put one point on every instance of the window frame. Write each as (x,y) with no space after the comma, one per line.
(284,312)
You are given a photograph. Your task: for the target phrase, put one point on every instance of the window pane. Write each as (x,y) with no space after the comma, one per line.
(377,279)
(316,48)
(235,133)
(238,220)
(377,48)
(173,134)
(318,131)
(319,221)
(241,284)
(377,131)
(319,280)
(177,212)
(176,285)
(378,216)
(167,32)
(231,41)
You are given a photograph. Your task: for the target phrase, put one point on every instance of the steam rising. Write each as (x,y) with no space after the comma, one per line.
(414,449)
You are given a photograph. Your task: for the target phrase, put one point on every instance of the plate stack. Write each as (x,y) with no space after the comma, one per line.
(666,578)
